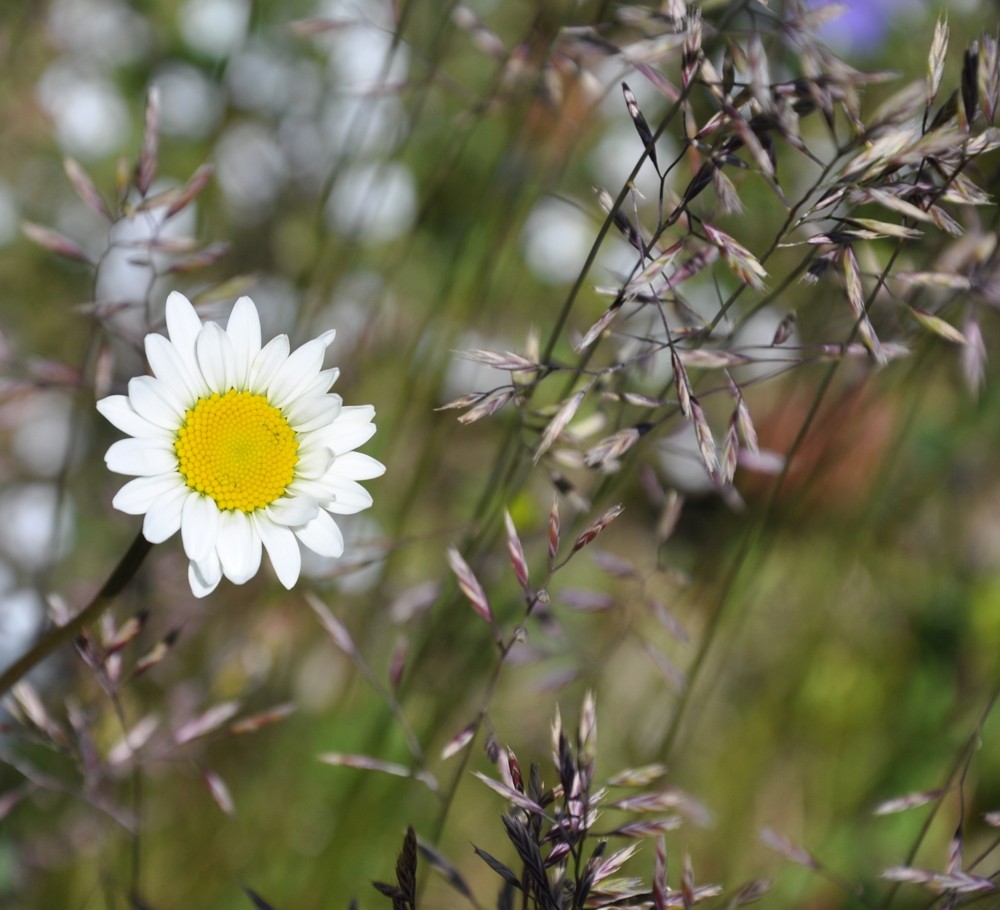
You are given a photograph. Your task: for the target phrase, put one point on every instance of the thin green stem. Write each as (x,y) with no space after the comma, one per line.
(61,635)
(750,539)
(484,707)
(958,770)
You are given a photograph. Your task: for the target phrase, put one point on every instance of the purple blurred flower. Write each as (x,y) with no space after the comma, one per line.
(863,26)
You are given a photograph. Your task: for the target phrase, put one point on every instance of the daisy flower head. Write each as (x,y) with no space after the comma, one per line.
(240,447)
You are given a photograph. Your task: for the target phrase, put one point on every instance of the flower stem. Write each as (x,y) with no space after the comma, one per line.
(61,635)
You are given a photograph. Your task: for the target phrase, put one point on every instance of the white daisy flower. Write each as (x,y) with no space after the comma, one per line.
(239,447)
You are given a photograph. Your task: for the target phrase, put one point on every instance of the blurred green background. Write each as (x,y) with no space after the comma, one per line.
(423,182)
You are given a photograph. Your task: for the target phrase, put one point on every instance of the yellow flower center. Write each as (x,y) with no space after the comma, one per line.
(238,449)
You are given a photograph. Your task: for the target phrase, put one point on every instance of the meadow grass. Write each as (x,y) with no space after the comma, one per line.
(682,582)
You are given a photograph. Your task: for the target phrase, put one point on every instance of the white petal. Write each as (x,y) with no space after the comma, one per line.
(320,490)
(243,330)
(239,547)
(253,566)
(154,400)
(343,436)
(200,526)
(216,358)
(357,466)
(313,463)
(325,379)
(298,371)
(183,380)
(322,536)
(118,410)
(138,496)
(292,511)
(362,413)
(321,383)
(266,363)
(183,326)
(163,518)
(348,497)
(141,457)
(307,414)
(282,548)
(204,576)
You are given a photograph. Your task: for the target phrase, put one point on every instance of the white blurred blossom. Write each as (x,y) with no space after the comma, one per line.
(109,32)
(464,375)
(36,524)
(617,153)
(251,169)
(215,28)
(191,104)
(21,614)
(127,269)
(261,79)
(357,300)
(682,463)
(360,125)
(556,239)
(41,439)
(362,53)
(90,116)
(373,202)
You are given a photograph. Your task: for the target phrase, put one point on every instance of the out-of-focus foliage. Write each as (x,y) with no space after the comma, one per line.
(796,642)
